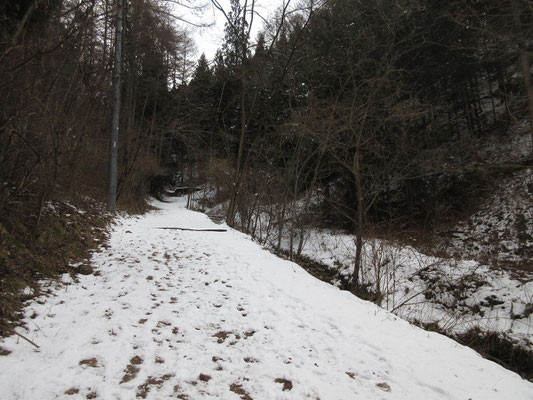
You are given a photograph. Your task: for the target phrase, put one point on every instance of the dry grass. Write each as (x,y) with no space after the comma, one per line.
(66,233)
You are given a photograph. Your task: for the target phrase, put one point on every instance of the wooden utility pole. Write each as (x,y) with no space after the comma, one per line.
(113,147)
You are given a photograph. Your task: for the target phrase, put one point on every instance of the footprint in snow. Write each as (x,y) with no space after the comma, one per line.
(89,362)
(144,389)
(384,386)
(132,369)
(287,385)
(238,389)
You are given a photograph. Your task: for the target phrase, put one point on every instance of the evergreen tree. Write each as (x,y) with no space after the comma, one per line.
(202,76)
(235,46)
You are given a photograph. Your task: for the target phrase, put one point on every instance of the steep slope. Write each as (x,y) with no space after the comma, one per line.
(499,233)
(188,314)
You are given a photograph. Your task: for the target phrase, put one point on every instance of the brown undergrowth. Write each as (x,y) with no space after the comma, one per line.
(501,350)
(35,247)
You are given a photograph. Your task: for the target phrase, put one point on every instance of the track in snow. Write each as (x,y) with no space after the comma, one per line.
(198,314)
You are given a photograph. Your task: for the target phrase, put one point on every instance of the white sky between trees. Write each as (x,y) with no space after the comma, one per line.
(209,39)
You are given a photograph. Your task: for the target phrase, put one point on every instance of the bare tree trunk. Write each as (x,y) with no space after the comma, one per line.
(281,224)
(291,235)
(301,239)
(22,23)
(360,217)
(113,146)
(524,64)
(230,217)
(106,23)
(491,94)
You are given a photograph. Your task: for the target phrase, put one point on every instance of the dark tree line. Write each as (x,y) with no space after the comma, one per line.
(56,65)
(56,61)
(380,106)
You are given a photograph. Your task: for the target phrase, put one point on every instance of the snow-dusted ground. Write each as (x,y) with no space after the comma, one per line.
(184,314)
(483,282)
(500,232)
(458,295)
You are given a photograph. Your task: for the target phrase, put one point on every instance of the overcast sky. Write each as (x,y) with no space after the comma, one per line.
(208,40)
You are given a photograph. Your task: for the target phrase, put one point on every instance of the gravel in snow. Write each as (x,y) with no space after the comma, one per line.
(193,315)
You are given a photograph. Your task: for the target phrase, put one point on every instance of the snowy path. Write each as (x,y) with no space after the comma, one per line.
(193,315)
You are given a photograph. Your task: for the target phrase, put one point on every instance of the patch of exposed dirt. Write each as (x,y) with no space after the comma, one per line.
(130,373)
(90,362)
(4,352)
(179,395)
(136,360)
(287,385)
(384,386)
(221,336)
(321,271)
(238,389)
(144,389)
(248,334)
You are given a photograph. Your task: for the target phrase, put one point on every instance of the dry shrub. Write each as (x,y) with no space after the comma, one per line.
(67,232)
(497,348)
(220,174)
(134,184)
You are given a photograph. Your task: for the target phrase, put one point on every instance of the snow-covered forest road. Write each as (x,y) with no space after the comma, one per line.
(190,315)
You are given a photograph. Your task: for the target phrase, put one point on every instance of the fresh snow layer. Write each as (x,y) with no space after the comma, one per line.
(458,295)
(188,314)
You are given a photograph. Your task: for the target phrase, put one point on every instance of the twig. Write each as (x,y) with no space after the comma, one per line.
(403,303)
(22,336)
